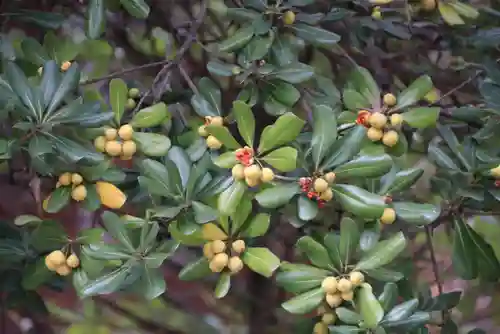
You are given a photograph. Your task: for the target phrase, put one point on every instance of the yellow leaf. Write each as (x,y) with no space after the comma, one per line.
(110,195)
(380,2)
(45,203)
(464,9)
(449,14)
(213,232)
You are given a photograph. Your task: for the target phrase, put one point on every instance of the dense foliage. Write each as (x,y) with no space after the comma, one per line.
(314,114)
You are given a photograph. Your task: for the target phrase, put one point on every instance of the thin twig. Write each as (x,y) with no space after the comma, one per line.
(460,86)
(188,80)
(126,71)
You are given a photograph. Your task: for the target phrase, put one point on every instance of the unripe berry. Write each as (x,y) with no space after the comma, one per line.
(330,177)
(134,93)
(218,246)
(347,296)
(129,148)
(100,143)
(251,182)
(329,318)
(65,179)
(388,217)
(238,246)
(253,172)
(202,131)
(320,185)
(344,285)
(378,120)
(320,328)
(374,134)
(219,262)
(495,172)
(110,134)
(396,120)
(126,132)
(356,278)
(63,270)
(217,120)
(49,264)
(213,143)
(428,5)
(113,148)
(390,138)
(329,285)
(208,250)
(327,195)
(235,264)
(236,70)
(289,17)
(238,172)
(79,193)
(377,14)
(131,104)
(267,175)
(76,179)
(333,300)
(389,100)
(73,261)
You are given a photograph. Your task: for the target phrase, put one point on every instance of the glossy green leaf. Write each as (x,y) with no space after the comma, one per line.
(283,159)
(368,166)
(230,198)
(304,303)
(415,320)
(449,14)
(347,316)
(223,285)
(261,260)
(223,134)
(116,228)
(402,180)
(383,253)
(345,148)
(349,239)
(225,160)
(384,275)
(415,213)
(151,116)
(118,96)
(414,92)
(299,278)
(195,270)
(96,21)
(306,208)
(35,274)
(238,40)
(358,201)
(294,73)
(314,251)
(345,329)
(212,93)
(108,283)
(362,82)
(316,35)
(152,144)
(278,195)
(389,296)
(284,93)
(354,101)
(422,117)
(369,307)
(137,8)
(286,128)
(203,213)
(464,256)
(58,199)
(245,120)
(324,132)
(257,226)
(332,244)
(402,311)
(151,283)
(258,47)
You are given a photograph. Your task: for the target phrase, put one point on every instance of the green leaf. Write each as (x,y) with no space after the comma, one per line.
(414,92)
(108,283)
(202,107)
(178,162)
(203,213)
(385,275)
(275,108)
(345,330)
(35,274)
(261,260)
(283,159)
(489,267)
(223,134)
(464,256)
(118,96)
(402,311)
(365,166)
(116,228)
(221,69)
(299,278)
(362,82)
(345,148)
(278,195)
(422,117)
(257,226)
(225,160)
(332,243)
(102,251)
(415,320)
(20,86)
(211,92)
(316,35)
(354,101)
(389,296)
(75,152)
(152,144)
(294,73)
(286,128)
(359,201)
(49,235)
(151,283)
(402,180)
(284,93)
(369,308)
(418,214)
(258,47)
(27,220)
(195,270)
(349,239)
(58,199)
(324,132)
(245,120)
(230,198)
(304,303)
(307,209)
(151,116)
(238,40)
(50,81)
(69,81)
(33,51)
(315,252)
(223,285)
(96,21)
(449,14)
(137,8)
(383,253)
(440,158)
(347,316)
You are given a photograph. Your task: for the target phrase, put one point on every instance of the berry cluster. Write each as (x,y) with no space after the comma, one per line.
(337,290)
(62,265)
(221,256)
(117,143)
(318,189)
(246,169)
(212,142)
(79,191)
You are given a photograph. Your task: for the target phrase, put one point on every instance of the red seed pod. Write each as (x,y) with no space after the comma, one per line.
(362,118)
(497,183)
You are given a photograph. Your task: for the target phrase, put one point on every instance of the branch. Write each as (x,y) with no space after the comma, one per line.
(126,71)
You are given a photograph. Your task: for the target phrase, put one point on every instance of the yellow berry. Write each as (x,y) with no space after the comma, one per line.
(396,120)
(327,195)
(428,5)
(329,285)
(202,131)
(356,278)
(73,261)
(213,143)
(378,120)
(76,179)
(218,246)
(125,157)
(289,17)
(495,172)
(219,262)
(344,285)
(238,246)
(252,172)
(208,250)
(129,148)
(374,134)
(320,185)
(134,93)
(320,328)
(236,70)
(40,70)
(65,66)
(63,270)
(57,258)
(389,100)
(49,264)
(238,172)
(100,143)
(217,120)
(126,132)
(388,217)
(330,177)
(347,296)
(329,318)
(390,138)
(333,300)
(113,148)
(235,264)
(267,175)
(377,14)
(65,179)
(110,134)
(251,182)
(79,193)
